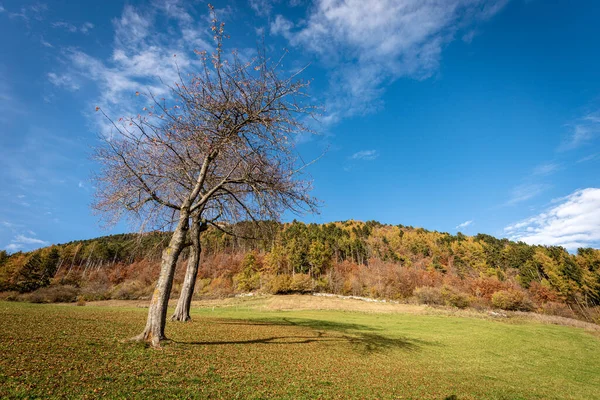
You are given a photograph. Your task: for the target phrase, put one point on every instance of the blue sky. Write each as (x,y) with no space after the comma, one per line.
(462,115)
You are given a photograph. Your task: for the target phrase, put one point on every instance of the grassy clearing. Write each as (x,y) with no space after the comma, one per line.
(246,350)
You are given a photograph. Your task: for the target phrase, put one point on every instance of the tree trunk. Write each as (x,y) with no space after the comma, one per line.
(182,311)
(157,313)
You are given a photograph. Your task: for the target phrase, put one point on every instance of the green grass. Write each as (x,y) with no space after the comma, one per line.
(63,351)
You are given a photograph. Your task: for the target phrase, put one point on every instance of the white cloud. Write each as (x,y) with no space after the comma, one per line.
(65,25)
(546,169)
(262,7)
(143,59)
(71,28)
(366,155)
(371,43)
(13,247)
(526,192)
(583,131)
(132,27)
(28,240)
(64,81)
(591,157)
(45,43)
(281,26)
(21,241)
(34,11)
(2,8)
(574,222)
(464,224)
(85,28)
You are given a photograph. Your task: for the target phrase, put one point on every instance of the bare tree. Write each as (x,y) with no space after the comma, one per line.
(223,150)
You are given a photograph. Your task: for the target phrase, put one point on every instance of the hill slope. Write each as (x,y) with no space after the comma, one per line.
(350,258)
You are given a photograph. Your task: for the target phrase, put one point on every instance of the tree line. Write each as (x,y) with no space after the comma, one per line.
(350,257)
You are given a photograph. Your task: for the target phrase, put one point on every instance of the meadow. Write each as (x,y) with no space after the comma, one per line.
(249,348)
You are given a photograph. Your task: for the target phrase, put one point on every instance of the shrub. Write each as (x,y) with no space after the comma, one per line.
(511,300)
(322,284)
(428,295)
(80,301)
(53,294)
(455,298)
(301,283)
(278,284)
(94,291)
(202,286)
(543,293)
(221,286)
(485,287)
(246,281)
(594,313)
(9,296)
(559,309)
(130,290)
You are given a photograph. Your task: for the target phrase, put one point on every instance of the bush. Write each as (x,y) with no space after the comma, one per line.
(543,293)
(130,290)
(558,309)
(301,283)
(53,294)
(455,298)
(485,287)
(428,295)
(221,286)
(322,284)
(278,284)
(246,282)
(94,291)
(10,296)
(511,300)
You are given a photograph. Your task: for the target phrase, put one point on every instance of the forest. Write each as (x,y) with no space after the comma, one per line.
(369,259)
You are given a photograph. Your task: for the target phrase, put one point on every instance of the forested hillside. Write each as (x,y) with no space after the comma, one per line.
(352,258)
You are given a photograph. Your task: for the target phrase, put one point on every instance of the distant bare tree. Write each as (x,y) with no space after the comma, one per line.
(224,151)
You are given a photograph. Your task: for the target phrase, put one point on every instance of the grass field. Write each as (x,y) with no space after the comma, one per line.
(247,350)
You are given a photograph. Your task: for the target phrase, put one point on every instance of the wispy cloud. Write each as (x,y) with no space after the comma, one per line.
(9,225)
(366,155)
(13,247)
(371,43)
(20,242)
(583,131)
(262,7)
(464,224)
(546,169)
(142,58)
(72,28)
(86,27)
(573,222)
(591,157)
(45,43)
(29,240)
(526,192)
(65,25)
(64,81)
(26,13)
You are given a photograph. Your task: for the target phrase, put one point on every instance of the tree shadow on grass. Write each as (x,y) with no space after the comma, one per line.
(362,338)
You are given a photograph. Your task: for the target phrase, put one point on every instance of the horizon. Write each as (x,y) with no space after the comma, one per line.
(478,117)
